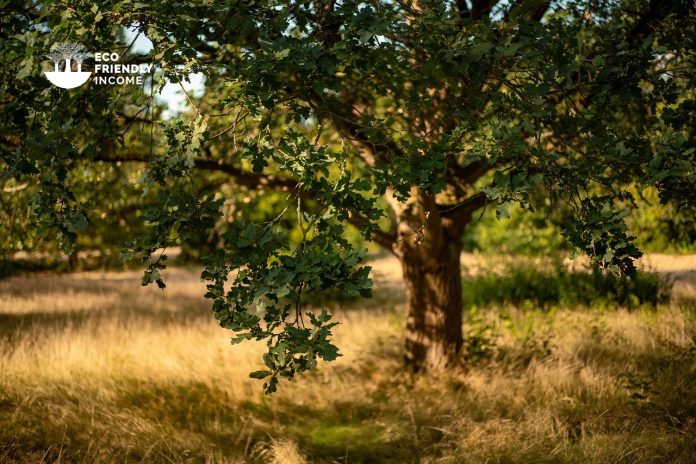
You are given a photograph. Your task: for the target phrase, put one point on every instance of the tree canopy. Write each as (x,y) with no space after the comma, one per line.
(401,118)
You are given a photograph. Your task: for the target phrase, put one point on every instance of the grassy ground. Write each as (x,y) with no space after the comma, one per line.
(95,369)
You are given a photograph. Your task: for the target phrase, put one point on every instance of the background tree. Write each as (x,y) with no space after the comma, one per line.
(434,110)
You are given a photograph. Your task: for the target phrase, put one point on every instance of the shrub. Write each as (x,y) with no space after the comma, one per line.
(529,284)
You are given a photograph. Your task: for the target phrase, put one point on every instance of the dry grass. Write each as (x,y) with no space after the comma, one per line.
(95,369)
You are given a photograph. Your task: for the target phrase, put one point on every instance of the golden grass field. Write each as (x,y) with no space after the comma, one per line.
(94,368)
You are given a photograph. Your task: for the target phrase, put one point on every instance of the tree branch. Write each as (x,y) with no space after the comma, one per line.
(254,180)
(385,239)
(481,8)
(462,9)
(346,124)
(657,11)
(462,212)
(530,10)
(465,176)
(242,177)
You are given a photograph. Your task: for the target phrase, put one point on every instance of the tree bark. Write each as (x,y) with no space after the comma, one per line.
(429,247)
(434,301)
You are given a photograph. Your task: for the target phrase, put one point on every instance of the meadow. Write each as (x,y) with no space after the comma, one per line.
(96,369)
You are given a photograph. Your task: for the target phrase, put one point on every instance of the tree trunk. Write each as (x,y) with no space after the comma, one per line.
(429,248)
(434,302)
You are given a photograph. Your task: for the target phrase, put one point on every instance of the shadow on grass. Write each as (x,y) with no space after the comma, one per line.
(189,310)
(207,416)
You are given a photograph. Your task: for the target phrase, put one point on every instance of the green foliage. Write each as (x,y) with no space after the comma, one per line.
(607,241)
(658,228)
(274,281)
(662,228)
(479,339)
(553,285)
(522,233)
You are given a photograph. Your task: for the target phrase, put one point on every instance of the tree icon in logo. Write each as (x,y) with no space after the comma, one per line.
(64,54)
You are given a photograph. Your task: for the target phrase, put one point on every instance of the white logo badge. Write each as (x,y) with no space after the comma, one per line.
(64,56)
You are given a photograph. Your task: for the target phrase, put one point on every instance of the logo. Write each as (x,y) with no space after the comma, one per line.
(68,59)
(64,55)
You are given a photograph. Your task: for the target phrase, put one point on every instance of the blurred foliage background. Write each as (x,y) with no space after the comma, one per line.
(659,228)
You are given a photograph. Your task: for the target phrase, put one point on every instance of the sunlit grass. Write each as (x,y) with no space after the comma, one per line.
(95,369)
